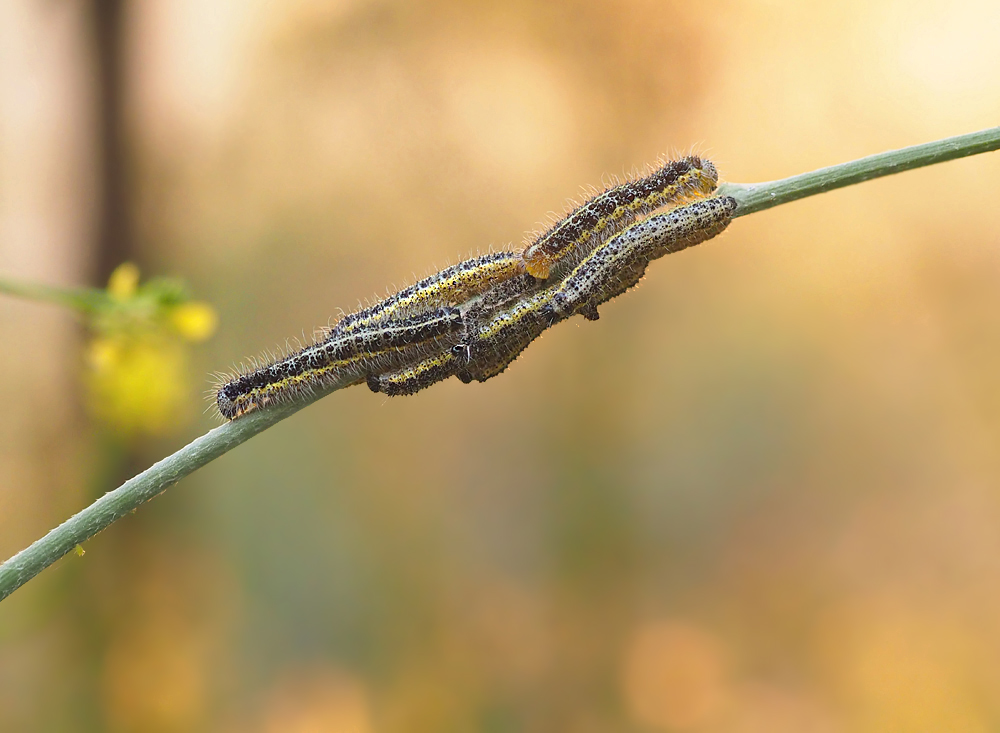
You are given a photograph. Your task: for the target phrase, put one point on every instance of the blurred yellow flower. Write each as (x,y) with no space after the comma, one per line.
(138,384)
(124,281)
(138,379)
(195,321)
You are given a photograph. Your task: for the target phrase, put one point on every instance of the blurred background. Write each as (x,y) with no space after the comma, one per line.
(761,494)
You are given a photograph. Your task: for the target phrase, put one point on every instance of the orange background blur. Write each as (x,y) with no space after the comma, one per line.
(761,494)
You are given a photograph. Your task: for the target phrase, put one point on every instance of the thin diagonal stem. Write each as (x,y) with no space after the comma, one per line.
(154,480)
(754,197)
(114,505)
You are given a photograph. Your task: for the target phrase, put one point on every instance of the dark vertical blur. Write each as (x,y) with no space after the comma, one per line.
(114,242)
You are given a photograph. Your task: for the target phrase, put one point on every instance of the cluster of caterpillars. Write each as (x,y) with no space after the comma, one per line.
(471,320)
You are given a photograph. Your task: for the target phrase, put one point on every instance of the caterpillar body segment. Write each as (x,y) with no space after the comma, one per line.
(273,384)
(494,338)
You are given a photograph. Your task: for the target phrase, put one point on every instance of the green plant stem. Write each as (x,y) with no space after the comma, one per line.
(85,300)
(136,491)
(114,505)
(754,197)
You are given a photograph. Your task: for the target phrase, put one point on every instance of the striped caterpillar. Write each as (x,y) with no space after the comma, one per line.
(471,320)
(605,215)
(352,356)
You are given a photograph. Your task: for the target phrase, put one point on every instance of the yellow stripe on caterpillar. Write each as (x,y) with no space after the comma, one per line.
(411,379)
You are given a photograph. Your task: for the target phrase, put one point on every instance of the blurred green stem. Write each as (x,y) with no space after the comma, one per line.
(81,299)
(136,491)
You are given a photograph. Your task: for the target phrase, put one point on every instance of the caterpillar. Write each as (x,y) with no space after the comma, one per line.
(604,215)
(449,287)
(348,357)
(471,320)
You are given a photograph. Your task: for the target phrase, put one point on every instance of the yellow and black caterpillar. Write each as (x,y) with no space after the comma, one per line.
(471,320)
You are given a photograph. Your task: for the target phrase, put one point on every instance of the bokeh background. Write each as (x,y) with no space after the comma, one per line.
(761,494)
